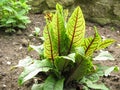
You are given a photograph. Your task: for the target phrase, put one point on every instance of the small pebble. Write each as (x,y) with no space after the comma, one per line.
(19,32)
(24,42)
(1,56)
(15,43)
(118,32)
(4,85)
(103,37)
(20,47)
(8,63)
(7,58)
(108,36)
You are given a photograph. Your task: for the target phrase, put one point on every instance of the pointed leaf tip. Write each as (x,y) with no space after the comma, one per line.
(75,28)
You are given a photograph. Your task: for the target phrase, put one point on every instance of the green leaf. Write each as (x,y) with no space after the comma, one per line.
(75,29)
(49,51)
(25,62)
(105,43)
(59,85)
(70,57)
(10,20)
(91,43)
(80,50)
(38,49)
(91,85)
(109,70)
(101,69)
(22,1)
(94,77)
(66,13)
(82,68)
(23,17)
(104,55)
(85,88)
(13,14)
(37,31)
(22,26)
(59,8)
(53,84)
(59,63)
(8,8)
(33,69)
(58,30)
(62,62)
(37,86)
(34,73)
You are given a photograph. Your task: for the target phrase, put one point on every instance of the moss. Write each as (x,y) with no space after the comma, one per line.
(39,9)
(86,1)
(101,21)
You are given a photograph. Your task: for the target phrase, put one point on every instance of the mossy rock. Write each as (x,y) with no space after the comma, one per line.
(101,21)
(64,3)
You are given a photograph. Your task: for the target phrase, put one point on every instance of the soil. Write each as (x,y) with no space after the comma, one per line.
(13,47)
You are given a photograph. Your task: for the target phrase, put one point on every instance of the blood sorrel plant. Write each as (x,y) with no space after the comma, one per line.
(66,56)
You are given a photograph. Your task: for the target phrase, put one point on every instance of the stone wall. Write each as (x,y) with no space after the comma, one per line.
(103,12)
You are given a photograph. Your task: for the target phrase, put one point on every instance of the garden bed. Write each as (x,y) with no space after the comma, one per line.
(14,47)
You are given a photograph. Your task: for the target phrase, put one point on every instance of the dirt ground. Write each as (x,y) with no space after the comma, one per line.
(14,48)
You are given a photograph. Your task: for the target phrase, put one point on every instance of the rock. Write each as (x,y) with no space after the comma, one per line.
(65,3)
(19,32)
(116,22)
(51,3)
(117,9)
(36,2)
(38,6)
(20,48)
(24,42)
(99,11)
(4,85)
(101,21)
(1,55)
(8,63)
(2,74)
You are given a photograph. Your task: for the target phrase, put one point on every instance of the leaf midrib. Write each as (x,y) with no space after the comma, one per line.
(73,32)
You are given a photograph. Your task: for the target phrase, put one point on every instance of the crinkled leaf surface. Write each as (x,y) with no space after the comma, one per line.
(33,69)
(91,44)
(94,77)
(49,51)
(75,29)
(105,43)
(91,85)
(52,83)
(82,68)
(58,30)
(61,62)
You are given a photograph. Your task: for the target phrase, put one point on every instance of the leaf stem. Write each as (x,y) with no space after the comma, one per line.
(72,73)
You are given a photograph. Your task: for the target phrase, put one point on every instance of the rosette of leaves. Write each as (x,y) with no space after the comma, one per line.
(65,56)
